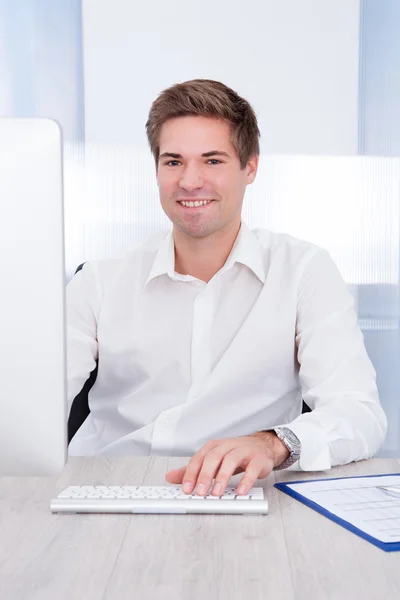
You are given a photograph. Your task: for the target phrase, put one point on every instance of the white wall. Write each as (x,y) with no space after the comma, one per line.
(296,61)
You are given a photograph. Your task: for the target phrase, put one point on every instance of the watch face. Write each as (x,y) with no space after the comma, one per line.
(293,439)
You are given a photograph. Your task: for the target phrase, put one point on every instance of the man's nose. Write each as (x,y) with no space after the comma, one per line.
(191,179)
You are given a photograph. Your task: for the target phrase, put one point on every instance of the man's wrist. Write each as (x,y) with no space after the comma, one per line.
(279,450)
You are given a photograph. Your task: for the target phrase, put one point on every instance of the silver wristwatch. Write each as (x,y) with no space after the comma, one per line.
(292,443)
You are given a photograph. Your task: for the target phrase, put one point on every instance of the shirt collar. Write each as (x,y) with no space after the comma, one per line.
(164,262)
(246,250)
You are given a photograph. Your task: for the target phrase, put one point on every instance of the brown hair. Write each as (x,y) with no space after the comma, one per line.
(207,98)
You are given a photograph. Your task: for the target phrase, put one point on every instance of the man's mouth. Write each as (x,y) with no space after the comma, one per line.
(194,203)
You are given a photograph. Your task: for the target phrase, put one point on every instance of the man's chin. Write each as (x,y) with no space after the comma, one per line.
(195,231)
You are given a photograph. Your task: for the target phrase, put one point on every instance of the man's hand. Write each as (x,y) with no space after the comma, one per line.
(255,454)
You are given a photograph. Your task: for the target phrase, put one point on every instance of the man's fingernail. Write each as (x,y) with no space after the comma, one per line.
(186,487)
(242,489)
(200,489)
(217,489)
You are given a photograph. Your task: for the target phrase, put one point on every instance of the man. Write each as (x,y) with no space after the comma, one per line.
(209,336)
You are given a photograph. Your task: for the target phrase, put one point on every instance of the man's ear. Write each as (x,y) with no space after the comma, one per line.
(251,169)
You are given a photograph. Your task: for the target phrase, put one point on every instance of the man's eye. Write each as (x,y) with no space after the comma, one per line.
(214,161)
(173,163)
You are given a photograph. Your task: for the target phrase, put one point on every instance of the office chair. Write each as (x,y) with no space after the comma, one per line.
(80,406)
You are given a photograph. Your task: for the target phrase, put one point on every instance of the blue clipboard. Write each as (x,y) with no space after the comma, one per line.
(386,546)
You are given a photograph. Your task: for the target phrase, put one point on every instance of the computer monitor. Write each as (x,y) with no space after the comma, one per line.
(33,421)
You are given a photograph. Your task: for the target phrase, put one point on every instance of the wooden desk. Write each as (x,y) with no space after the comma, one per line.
(292,554)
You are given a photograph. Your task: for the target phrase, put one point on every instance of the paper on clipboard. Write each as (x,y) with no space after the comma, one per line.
(371,504)
(393,489)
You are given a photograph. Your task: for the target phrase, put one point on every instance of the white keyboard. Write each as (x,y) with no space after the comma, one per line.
(155,499)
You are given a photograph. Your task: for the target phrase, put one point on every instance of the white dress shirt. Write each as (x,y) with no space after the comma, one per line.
(182,361)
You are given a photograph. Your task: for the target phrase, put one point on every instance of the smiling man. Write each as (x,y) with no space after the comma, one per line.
(209,336)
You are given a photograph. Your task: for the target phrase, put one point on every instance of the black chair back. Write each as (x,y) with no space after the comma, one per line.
(80,405)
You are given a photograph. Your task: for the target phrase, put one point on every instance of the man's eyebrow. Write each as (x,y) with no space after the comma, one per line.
(170,155)
(215,153)
(205,155)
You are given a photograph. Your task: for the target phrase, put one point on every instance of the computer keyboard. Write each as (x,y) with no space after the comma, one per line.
(155,499)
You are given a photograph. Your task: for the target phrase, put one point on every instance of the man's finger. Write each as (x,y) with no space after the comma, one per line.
(194,466)
(211,464)
(176,476)
(259,465)
(233,462)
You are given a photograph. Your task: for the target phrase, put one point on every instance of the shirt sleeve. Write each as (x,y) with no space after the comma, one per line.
(338,380)
(83,304)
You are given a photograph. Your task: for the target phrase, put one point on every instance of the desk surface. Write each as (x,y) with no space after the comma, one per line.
(292,554)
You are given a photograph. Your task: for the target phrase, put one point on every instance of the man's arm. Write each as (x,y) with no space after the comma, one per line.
(338,380)
(83,303)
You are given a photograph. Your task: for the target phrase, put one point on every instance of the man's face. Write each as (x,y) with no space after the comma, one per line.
(199,163)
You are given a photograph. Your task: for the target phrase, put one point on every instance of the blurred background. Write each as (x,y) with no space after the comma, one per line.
(324,79)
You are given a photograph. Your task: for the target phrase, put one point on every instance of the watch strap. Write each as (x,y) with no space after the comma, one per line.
(294,449)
